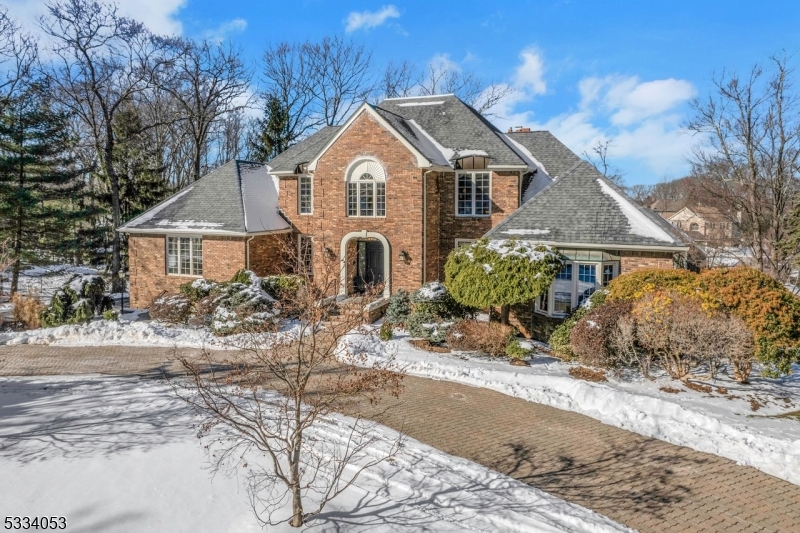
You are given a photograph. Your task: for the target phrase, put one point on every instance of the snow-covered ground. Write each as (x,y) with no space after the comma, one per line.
(722,422)
(117,454)
(41,280)
(140,333)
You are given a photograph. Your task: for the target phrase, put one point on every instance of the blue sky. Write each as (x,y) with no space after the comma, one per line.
(588,71)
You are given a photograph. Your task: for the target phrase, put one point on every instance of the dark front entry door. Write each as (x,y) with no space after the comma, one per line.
(369,265)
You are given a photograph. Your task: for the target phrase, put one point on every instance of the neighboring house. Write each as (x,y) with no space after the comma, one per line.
(391,193)
(706,225)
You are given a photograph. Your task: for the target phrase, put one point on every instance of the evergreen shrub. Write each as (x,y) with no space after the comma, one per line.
(559,340)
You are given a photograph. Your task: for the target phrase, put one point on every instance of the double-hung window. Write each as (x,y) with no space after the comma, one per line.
(305,195)
(185,256)
(366,196)
(473,196)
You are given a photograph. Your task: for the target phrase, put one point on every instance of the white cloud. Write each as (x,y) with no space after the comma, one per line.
(529,76)
(357,20)
(226,29)
(160,16)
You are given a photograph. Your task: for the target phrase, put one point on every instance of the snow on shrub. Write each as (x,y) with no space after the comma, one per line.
(491,338)
(500,273)
(433,310)
(197,289)
(171,308)
(81,298)
(241,306)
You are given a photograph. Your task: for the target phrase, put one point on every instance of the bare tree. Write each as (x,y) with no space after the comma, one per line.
(443,77)
(101,61)
(312,376)
(399,80)
(750,128)
(641,193)
(207,81)
(599,158)
(18,53)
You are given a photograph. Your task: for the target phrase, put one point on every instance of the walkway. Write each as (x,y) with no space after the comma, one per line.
(641,482)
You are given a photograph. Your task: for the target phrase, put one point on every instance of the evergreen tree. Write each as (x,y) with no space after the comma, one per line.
(500,273)
(271,134)
(40,182)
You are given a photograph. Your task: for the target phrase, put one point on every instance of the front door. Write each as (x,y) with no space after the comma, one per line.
(369,269)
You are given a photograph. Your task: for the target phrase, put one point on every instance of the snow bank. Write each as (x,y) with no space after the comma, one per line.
(113,333)
(121,454)
(724,426)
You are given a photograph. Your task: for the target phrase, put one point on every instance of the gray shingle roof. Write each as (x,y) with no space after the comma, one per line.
(550,152)
(583,207)
(302,152)
(237,198)
(454,125)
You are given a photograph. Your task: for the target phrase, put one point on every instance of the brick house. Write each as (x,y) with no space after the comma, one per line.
(391,193)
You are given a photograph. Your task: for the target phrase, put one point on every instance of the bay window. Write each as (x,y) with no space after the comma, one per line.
(185,256)
(473,194)
(576,282)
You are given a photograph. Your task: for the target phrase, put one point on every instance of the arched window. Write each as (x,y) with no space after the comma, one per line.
(694,226)
(366,190)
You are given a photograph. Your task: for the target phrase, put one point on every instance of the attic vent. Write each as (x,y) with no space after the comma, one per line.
(471,162)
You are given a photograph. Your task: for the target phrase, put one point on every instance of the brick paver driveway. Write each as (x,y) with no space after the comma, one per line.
(643,483)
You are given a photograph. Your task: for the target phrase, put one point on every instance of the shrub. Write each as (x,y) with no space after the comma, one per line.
(629,352)
(282,285)
(590,338)
(500,272)
(386,333)
(197,289)
(768,309)
(637,284)
(78,301)
(433,311)
(587,374)
(559,340)
(241,307)
(491,338)
(27,309)
(171,308)
(399,309)
(110,314)
(514,350)
(243,276)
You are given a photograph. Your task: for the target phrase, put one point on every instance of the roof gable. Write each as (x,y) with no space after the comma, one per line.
(583,207)
(237,198)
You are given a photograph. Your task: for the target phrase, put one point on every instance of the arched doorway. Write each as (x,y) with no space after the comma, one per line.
(368,262)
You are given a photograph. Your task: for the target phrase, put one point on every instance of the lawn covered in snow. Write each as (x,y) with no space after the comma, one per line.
(722,422)
(120,454)
(42,280)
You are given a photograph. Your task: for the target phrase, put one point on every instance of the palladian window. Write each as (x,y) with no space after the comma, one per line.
(366,190)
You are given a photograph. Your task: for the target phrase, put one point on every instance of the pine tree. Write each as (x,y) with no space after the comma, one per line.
(500,273)
(270,136)
(40,182)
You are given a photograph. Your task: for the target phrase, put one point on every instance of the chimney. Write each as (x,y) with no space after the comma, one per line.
(510,129)
(520,129)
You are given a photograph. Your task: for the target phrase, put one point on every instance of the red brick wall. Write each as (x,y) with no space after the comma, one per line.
(505,200)
(273,254)
(222,257)
(631,261)
(402,226)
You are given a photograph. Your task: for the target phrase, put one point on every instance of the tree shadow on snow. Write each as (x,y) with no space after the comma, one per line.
(71,418)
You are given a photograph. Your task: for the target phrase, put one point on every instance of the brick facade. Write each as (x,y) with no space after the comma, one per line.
(222,257)
(630,261)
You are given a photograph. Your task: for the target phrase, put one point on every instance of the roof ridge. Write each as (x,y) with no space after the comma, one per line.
(421,96)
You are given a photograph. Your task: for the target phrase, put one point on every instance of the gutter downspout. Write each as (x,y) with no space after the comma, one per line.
(425,226)
(247,251)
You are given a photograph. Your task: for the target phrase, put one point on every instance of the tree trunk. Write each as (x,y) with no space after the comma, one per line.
(18,230)
(504,312)
(294,473)
(117,282)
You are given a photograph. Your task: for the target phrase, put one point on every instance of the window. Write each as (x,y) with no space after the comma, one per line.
(568,292)
(366,197)
(185,256)
(464,242)
(473,196)
(305,254)
(305,195)
(694,226)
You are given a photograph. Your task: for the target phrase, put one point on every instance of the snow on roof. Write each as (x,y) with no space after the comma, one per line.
(147,216)
(526,231)
(260,200)
(640,224)
(433,146)
(468,153)
(189,224)
(412,104)
(419,97)
(525,154)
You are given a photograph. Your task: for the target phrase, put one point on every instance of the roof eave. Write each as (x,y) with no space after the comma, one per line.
(596,246)
(158,231)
